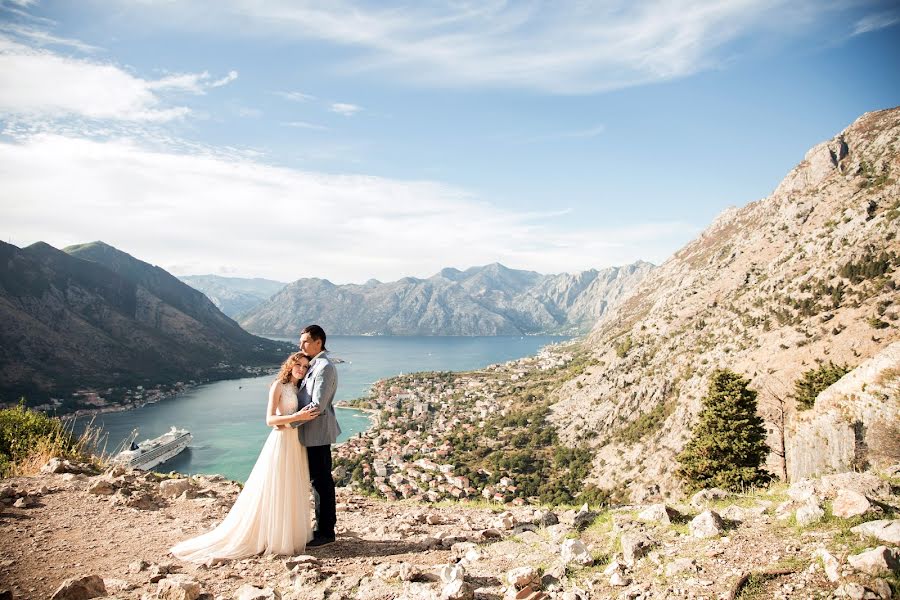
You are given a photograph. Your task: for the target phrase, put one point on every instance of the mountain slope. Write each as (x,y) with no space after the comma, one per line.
(95,316)
(234,295)
(488,300)
(769,290)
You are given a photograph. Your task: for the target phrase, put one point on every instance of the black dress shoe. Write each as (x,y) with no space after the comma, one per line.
(320,541)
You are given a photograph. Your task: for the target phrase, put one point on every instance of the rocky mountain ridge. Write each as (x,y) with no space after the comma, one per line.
(488,300)
(769,290)
(234,295)
(95,317)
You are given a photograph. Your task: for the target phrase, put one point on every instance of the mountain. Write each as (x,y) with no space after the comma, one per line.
(234,295)
(93,316)
(488,300)
(770,290)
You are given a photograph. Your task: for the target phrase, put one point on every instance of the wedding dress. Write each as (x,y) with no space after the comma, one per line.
(272,513)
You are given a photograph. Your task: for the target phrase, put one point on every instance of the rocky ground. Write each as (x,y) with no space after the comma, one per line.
(71,533)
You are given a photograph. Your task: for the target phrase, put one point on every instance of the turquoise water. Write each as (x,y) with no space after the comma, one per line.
(227,418)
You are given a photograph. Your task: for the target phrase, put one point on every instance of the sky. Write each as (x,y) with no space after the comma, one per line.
(353,140)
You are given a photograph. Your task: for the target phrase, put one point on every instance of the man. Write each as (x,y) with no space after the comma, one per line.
(317,435)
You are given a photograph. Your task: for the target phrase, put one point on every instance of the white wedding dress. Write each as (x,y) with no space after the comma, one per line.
(272,513)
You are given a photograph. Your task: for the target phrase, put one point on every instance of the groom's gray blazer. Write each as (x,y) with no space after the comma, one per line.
(319,387)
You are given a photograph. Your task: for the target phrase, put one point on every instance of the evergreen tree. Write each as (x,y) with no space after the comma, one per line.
(812,382)
(728,445)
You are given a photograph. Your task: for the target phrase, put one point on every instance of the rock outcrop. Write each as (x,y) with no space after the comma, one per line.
(854,423)
(769,290)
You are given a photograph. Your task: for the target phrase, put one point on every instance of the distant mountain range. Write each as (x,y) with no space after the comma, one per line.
(487,300)
(94,316)
(234,295)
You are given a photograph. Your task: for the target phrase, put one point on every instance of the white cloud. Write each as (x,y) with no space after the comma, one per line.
(295,96)
(42,37)
(549,46)
(202,213)
(232,75)
(342,108)
(40,83)
(876,21)
(304,125)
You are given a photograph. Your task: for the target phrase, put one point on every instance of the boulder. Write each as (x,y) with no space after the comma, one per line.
(178,587)
(704,497)
(877,561)
(866,484)
(80,588)
(848,504)
(656,513)
(681,565)
(575,551)
(102,487)
(707,524)
(809,513)
(886,530)
(830,564)
(545,518)
(634,546)
(584,518)
(408,572)
(250,592)
(457,590)
(452,573)
(387,572)
(172,488)
(851,590)
(521,577)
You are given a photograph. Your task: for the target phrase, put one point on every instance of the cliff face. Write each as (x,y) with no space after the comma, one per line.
(769,290)
(234,295)
(854,423)
(489,300)
(94,316)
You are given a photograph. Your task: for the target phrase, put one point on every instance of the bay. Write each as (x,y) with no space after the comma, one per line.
(227,418)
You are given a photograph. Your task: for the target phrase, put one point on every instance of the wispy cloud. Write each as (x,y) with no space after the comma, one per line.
(295,96)
(42,37)
(232,75)
(205,206)
(304,125)
(548,46)
(40,83)
(342,108)
(876,21)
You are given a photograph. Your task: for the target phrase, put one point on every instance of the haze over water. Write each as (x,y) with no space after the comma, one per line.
(227,418)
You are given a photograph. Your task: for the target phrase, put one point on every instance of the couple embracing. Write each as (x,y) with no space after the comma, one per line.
(272,513)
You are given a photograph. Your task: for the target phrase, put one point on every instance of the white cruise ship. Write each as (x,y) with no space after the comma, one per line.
(150,453)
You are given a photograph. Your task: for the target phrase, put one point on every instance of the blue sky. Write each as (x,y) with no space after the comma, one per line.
(350,140)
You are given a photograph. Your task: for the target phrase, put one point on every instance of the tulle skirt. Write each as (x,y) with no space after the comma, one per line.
(272,513)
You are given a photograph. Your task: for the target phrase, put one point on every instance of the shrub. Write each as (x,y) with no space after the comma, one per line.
(728,444)
(814,381)
(29,437)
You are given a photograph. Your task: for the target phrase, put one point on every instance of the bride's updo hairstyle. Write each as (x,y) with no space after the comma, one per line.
(284,375)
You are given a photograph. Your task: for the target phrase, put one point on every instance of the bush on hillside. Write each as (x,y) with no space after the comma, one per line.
(814,381)
(728,445)
(28,435)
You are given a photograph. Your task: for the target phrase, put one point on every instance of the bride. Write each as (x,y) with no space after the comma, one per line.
(272,513)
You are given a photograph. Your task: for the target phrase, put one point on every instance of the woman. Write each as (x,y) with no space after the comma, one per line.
(272,514)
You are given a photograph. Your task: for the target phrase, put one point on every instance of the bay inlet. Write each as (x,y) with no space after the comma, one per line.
(227,418)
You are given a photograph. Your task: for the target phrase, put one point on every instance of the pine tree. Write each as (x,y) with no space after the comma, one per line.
(814,381)
(728,445)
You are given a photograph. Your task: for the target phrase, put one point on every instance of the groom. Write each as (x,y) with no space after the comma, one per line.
(318,435)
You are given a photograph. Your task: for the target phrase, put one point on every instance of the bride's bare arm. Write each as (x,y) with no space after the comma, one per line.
(307,413)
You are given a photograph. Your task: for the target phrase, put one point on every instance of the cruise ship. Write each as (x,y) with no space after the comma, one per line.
(150,453)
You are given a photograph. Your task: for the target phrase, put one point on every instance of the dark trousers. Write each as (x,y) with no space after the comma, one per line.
(323,484)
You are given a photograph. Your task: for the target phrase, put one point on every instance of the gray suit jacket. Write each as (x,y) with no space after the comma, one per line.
(319,387)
